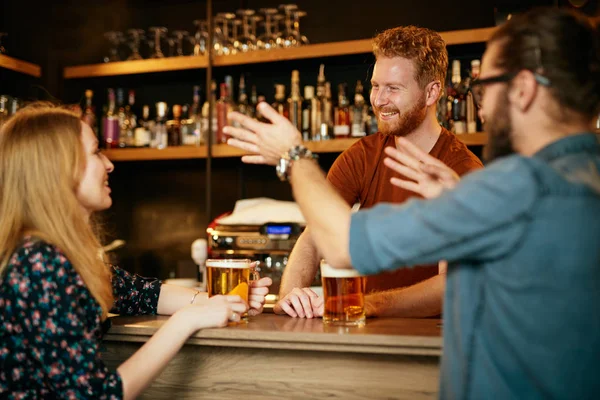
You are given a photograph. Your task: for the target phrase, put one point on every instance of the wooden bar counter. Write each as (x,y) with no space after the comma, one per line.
(278,357)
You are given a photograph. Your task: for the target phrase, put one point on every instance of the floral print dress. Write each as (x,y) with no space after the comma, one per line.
(50,326)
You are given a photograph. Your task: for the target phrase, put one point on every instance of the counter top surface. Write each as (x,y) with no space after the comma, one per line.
(380,335)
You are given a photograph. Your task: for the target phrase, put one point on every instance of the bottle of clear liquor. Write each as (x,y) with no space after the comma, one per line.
(359,112)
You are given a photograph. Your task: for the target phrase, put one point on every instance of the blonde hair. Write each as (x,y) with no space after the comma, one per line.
(42,161)
(424,47)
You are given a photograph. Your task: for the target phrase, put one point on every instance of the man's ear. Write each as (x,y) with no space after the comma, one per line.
(433,92)
(523,90)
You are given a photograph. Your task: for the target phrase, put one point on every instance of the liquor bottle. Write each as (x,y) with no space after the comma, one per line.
(89,112)
(295,101)
(459,109)
(130,120)
(253,101)
(191,125)
(321,123)
(160,136)
(141,133)
(242,103)
(309,106)
(341,127)
(327,115)
(224,106)
(110,123)
(358,112)
(372,127)
(472,118)
(205,107)
(279,105)
(174,127)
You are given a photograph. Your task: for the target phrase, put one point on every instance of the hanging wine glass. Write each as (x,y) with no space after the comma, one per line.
(277,31)
(136,36)
(268,40)
(289,38)
(247,42)
(115,39)
(157,32)
(178,37)
(200,38)
(224,46)
(254,20)
(235,29)
(300,39)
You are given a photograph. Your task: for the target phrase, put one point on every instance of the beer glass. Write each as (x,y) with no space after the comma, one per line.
(344,295)
(230,277)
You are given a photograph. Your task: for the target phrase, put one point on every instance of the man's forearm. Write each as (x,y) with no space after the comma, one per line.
(423,299)
(326,212)
(302,266)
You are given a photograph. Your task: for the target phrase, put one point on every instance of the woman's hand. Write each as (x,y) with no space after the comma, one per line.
(428,176)
(215,312)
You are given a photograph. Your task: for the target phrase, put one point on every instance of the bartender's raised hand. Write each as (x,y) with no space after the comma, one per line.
(302,303)
(266,142)
(256,297)
(215,312)
(426,175)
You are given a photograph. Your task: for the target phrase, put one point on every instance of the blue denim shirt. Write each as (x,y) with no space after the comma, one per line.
(522,301)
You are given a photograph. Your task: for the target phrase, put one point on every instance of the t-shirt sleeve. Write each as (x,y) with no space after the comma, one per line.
(465,165)
(134,294)
(483,218)
(60,329)
(346,174)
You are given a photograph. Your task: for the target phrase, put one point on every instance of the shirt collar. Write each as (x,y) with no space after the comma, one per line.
(583,142)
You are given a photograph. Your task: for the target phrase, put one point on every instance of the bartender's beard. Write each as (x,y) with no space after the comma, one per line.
(499,128)
(406,122)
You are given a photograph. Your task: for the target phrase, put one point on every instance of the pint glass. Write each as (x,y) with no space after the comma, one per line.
(344,295)
(230,277)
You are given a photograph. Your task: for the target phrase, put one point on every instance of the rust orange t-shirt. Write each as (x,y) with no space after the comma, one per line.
(360,176)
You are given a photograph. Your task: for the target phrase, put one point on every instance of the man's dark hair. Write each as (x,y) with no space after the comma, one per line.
(560,45)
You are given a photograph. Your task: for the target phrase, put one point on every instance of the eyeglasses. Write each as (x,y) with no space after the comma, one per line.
(478,85)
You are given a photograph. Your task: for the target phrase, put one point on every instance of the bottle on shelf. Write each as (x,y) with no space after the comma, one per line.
(473,123)
(110,123)
(242,104)
(224,106)
(141,134)
(280,105)
(358,112)
(309,107)
(295,101)
(130,120)
(327,114)
(191,124)
(214,120)
(253,101)
(174,127)
(342,126)
(320,122)
(160,136)
(459,110)
(3,109)
(89,112)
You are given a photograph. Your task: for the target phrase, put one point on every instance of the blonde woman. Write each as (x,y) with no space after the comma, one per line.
(54,289)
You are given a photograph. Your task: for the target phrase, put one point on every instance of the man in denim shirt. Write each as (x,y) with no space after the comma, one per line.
(522,237)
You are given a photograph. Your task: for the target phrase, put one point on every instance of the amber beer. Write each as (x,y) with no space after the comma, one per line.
(344,294)
(230,277)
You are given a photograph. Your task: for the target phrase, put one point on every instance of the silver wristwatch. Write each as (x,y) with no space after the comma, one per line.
(285,162)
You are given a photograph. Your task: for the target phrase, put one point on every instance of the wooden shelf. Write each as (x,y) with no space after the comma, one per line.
(225,151)
(309,51)
(136,67)
(17,65)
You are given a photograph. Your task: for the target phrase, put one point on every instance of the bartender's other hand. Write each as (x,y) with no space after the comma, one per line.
(266,142)
(215,313)
(426,175)
(303,303)
(256,298)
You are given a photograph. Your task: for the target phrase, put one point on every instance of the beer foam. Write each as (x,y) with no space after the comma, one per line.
(327,271)
(237,264)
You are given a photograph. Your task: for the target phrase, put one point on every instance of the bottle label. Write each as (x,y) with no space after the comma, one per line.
(460,127)
(358,130)
(341,130)
(141,137)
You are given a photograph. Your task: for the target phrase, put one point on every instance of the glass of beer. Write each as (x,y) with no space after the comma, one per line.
(230,277)
(344,295)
